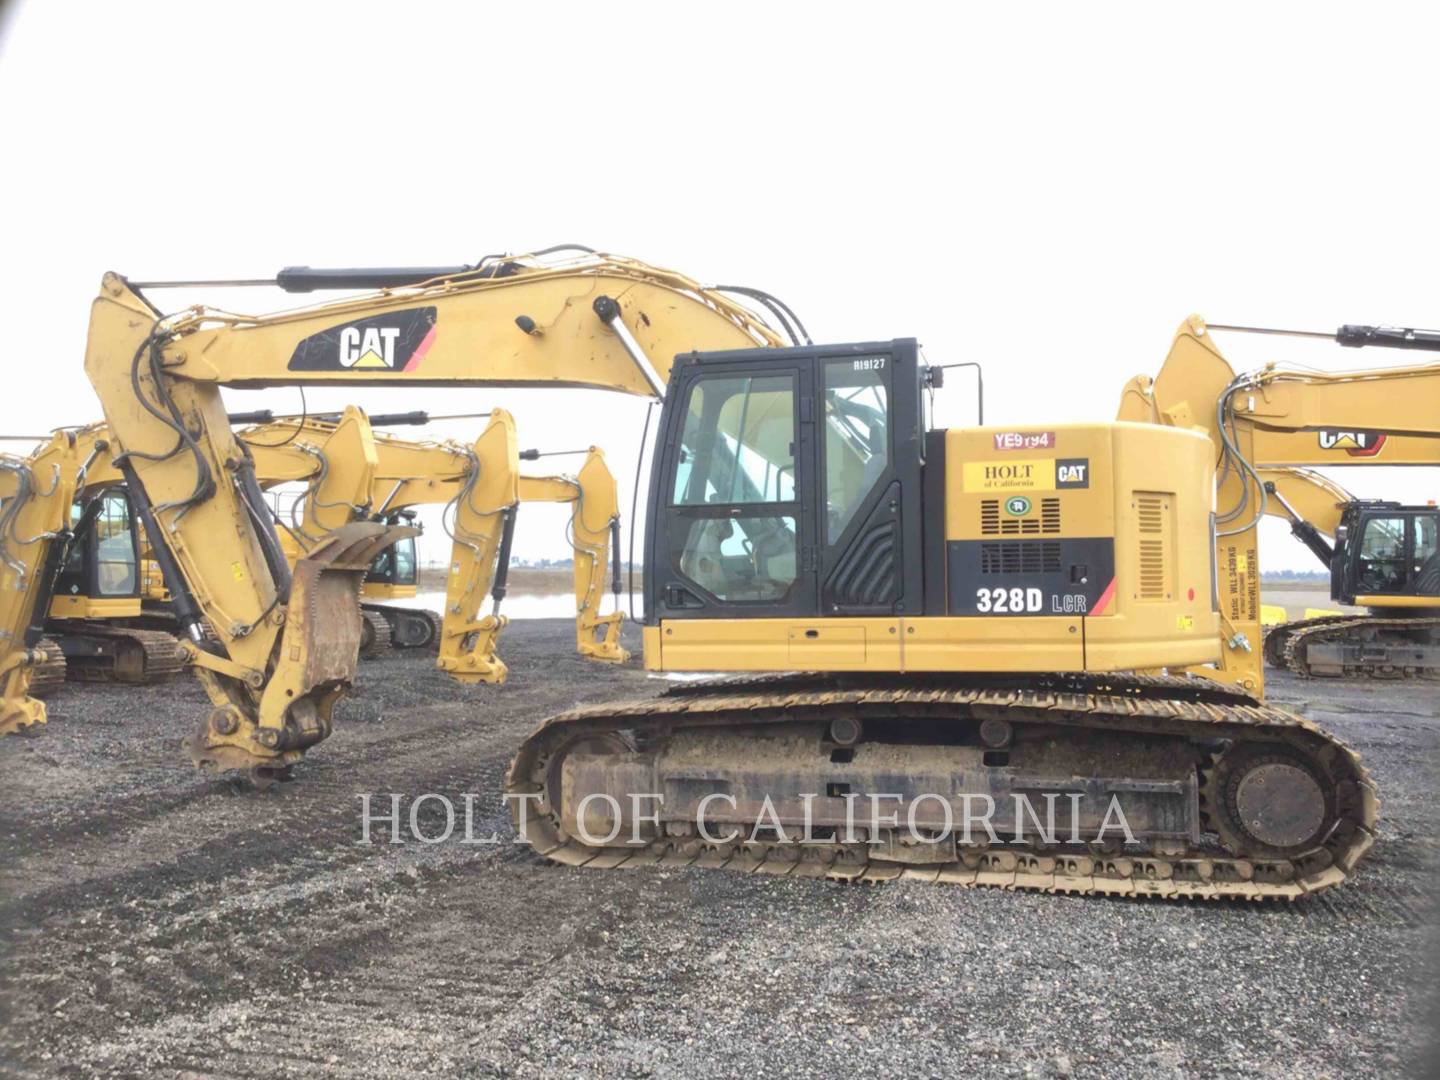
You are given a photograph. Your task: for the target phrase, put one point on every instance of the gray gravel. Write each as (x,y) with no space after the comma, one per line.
(159,922)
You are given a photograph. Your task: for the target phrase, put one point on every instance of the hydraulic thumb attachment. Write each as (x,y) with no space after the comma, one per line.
(264,721)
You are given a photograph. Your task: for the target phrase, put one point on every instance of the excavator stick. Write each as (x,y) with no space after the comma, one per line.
(316,661)
(596,532)
(35,497)
(484,516)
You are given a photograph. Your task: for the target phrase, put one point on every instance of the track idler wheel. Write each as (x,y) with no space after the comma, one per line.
(1274,647)
(374,635)
(413,629)
(1269,802)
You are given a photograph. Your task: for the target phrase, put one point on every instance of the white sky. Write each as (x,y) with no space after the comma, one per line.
(1046,189)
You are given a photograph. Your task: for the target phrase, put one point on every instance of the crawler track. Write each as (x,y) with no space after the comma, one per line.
(100,652)
(374,635)
(1390,638)
(49,675)
(1276,637)
(1219,720)
(410,628)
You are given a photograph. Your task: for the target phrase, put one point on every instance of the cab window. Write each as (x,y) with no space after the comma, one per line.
(1427,553)
(750,557)
(857,437)
(405,562)
(736,533)
(115,572)
(1382,555)
(738,442)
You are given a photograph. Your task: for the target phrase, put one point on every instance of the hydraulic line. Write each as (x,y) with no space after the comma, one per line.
(635,502)
(182,600)
(499,586)
(171,418)
(254,500)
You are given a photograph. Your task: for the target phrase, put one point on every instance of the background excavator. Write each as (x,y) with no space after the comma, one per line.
(482,490)
(1379,553)
(111,622)
(967,601)
(36,494)
(1272,428)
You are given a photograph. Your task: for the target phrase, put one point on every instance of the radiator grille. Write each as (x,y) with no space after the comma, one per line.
(1048,523)
(1018,557)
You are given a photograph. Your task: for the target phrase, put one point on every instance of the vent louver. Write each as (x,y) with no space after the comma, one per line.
(1048,523)
(1154,525)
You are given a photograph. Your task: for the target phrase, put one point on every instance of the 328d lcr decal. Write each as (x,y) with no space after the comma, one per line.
(395,341)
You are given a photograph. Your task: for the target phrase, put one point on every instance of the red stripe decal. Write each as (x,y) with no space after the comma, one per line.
(1105,598)
(420,351)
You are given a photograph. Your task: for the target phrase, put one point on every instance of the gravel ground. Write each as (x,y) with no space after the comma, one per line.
(157,921)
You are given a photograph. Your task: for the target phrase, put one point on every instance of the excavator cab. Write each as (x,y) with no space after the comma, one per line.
(100,577)
(393,574)
(790,485)
(1385,552)
(98,614)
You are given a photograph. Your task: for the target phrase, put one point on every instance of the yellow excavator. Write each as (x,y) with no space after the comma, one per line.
(372,475)
(36,494)
(94,608)
(1272,428)
(974,614)
(1380,553)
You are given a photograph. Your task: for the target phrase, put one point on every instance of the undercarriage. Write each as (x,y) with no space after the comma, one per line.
(1357,646)
(105,652)
(49,675)
(409,628)
(1137,786)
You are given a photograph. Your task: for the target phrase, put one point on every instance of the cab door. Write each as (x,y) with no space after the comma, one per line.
(734,534)
(1382,566)
(102,563)
(868,452)
(1425,579)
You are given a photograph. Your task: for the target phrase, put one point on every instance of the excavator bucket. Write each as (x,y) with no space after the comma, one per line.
(313,666)
(324,622)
